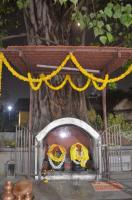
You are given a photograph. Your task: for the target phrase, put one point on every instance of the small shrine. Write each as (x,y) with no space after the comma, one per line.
(67,147)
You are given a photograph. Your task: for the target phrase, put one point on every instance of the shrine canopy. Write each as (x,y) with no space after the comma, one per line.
(26,58)
(51,60)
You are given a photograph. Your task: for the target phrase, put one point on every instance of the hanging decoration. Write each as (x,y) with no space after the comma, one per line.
(56,156)
(0,76)
(35,83)
(79,154)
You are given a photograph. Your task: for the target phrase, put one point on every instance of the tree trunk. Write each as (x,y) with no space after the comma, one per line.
(49,24)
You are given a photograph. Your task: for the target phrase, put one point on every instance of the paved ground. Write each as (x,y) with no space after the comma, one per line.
(78,190)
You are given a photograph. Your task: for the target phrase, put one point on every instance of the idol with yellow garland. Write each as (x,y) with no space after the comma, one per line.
(56,156)
(79,154)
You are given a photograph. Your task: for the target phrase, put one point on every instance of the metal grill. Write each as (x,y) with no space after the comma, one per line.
(115,157)
(24,152)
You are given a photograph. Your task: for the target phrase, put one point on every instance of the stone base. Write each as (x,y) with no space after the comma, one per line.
(69,176)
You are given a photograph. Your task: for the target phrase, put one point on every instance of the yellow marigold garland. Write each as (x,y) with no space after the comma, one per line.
(55,72)
(79,89)
(122,76)
(48,77)
(0,75)
(34,87)
(14,73)
(104,84)
(83,158)
(59,86)
(54,157)
(84,71)
(68,78)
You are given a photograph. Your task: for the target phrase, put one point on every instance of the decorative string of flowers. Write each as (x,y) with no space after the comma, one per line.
(104,84)
(0,76)
(35,83)
(32,84)
(79,154)
(56,156)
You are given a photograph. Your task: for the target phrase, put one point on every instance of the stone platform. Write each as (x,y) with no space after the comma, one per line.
(77,189)
(71,175)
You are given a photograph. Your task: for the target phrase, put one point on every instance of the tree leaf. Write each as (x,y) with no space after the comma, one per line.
(117,15)
(20,4)
(101,12)
(117,11)
(108,11)
(94,22)
(126,20)
(92,15)
(100,24)
(110,5)
(108,27)
(103,39)
(90,25)
(110,37)
(74,2)
(96,31)
(128,8)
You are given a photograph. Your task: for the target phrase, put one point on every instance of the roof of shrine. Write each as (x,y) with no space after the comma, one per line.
(104,59)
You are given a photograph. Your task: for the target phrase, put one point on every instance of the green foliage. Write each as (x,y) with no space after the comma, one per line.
(126,128)
(11,18)
(127,64)
(91,115)
(103,39)
(22,4)
(96,121)
(63,2)
(109,25)
(108,10)
(112,86)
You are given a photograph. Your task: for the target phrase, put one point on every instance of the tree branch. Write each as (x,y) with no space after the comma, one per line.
(50,41)
(13,36)
(24,35)
(93,6)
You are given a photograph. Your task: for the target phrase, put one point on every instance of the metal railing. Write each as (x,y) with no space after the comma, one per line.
(24,151)
(115,157)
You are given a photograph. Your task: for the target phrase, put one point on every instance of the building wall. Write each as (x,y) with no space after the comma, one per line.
(23,118)
(124,107)
(7,136)
(6,154)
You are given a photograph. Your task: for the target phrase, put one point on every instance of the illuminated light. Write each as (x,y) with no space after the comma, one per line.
(63,134)
(9,108)
(78,24)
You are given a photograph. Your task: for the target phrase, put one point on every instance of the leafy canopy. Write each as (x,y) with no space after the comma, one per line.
(109,23)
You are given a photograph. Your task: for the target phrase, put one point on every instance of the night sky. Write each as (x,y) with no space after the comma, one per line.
(12,88)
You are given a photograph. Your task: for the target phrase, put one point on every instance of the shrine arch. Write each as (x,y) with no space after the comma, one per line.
(68,121)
